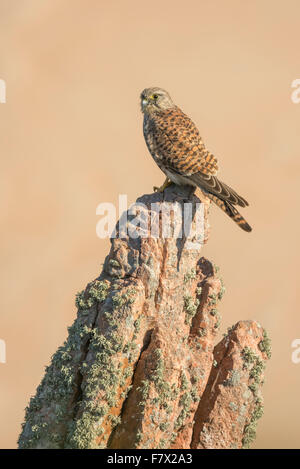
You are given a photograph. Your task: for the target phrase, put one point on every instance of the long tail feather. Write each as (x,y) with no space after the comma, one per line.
(231,211)
(213,185)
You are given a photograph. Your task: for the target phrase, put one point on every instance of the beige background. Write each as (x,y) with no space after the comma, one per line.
(71,137)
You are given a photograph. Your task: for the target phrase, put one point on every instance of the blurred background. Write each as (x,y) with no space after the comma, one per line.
(71,138)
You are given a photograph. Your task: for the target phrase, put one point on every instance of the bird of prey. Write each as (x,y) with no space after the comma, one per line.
(176,146)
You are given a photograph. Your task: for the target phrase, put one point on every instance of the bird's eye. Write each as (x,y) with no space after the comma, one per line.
(155,96)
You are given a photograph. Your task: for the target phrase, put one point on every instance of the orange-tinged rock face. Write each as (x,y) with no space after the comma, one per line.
(140,368)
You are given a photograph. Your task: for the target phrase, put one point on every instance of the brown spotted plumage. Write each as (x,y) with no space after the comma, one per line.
(176,146)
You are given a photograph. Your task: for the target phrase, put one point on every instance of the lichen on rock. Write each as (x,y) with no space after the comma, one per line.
(140,368)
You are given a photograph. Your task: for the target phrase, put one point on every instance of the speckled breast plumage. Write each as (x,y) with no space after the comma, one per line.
(175,144)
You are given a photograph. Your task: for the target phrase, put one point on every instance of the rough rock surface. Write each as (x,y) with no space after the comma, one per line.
(139,368)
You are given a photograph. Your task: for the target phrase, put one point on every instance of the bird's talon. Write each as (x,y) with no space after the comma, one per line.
(158,189)
(166,184)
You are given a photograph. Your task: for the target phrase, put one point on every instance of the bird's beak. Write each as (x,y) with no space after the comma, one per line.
(144,103)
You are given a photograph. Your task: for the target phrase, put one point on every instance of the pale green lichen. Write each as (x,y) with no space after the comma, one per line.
(257,370)
(249,356)
(96,293)
(194,394)
(164,426)
(184,402)
(190,276)
(165,395)
(190,307)
(250,429)
(102,376)
(233,406)
(165,391)
(144,389)
(114,268)
(139,437)
(124,394)
(233,379)
(218,321)
(137,323)
(162,443)
(184,382)
(265,345)
(115,420)
(93,383)
(222,289)
(256,366)
(212,299)
(56,389)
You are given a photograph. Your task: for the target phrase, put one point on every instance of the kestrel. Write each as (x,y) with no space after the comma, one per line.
(176,146)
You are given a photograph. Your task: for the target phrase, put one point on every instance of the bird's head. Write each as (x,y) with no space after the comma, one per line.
(154,100)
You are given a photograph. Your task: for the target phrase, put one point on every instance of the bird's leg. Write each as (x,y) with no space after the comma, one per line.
(166,184)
